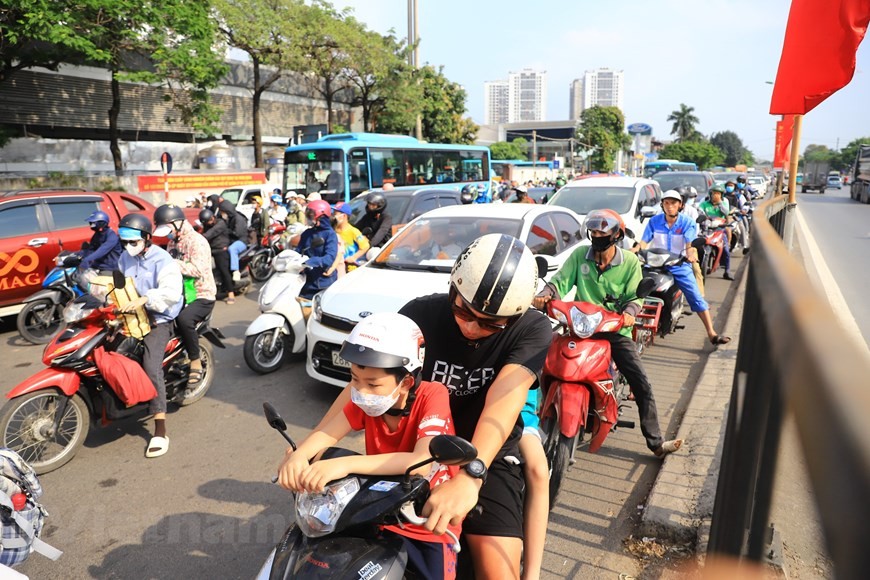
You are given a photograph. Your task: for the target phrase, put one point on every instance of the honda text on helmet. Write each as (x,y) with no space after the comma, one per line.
(496,275)
(608,222)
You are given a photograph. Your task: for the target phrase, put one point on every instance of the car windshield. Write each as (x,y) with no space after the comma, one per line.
(433,244)
(232,195)
(677,180)
(315,170)
(584,199)
(396,205)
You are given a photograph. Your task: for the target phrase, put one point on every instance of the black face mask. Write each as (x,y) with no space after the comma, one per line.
(601,244)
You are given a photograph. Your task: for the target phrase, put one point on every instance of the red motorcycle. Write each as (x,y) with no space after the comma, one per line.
(583,392)
(261,255)
(715,237)
(48,415)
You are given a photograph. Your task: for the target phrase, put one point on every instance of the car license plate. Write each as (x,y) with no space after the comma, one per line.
(338,361)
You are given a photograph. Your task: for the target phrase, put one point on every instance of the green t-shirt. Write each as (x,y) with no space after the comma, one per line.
(716,211)
(619,279)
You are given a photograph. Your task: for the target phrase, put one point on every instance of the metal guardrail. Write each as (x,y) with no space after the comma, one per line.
(794,354)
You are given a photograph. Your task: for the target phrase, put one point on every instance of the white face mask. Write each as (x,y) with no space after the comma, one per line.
(135,249)
(374,405)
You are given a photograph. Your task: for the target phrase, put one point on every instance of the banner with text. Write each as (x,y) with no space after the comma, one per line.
(199,180)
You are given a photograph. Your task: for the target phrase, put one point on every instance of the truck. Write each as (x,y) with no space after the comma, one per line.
(860,178)
(815,176)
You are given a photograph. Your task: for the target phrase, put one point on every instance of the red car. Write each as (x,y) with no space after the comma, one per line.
(35,225)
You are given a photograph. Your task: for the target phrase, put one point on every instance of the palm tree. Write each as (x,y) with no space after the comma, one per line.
(684,122)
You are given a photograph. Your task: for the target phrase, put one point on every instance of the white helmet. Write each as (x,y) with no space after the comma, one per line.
(385,340)
(497,275)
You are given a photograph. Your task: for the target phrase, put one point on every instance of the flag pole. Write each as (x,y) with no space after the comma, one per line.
(793,162)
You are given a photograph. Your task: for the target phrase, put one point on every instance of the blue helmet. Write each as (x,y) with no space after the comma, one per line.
(98,216)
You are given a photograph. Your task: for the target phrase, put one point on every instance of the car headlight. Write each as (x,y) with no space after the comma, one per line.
(317,513)
(76,311)
(316,308)
(583,324)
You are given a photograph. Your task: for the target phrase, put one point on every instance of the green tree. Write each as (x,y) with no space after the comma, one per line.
(846,157)
(603,130)
(684,123)
(265,30)
(515,149)
(821,153)
(732,146)
(702,153)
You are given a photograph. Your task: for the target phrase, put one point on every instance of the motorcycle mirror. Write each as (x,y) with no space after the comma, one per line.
(118,279)
(646,287)
(451,450)
(277,423)
(702,217)
(543,266)
(317,242)
(629,233)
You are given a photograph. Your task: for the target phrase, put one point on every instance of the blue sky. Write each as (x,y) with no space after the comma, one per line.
(713,55)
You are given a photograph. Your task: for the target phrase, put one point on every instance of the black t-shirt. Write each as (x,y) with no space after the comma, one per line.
(467,368)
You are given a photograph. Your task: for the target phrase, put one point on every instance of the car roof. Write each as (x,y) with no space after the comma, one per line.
(610,181)
(47,192)
(680,173)
(503,210)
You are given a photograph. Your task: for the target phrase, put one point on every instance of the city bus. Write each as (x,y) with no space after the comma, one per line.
(342,166)
(653,167)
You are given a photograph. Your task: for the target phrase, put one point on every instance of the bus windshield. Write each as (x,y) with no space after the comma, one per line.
(314,170)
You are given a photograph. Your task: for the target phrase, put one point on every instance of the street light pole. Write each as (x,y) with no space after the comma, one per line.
(414,55)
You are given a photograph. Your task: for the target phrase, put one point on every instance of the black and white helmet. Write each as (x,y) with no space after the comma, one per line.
(497,275)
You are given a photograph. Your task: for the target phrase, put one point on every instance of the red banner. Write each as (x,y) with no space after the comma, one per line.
(200,180)
(782,149)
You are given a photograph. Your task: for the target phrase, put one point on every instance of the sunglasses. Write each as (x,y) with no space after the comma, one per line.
(464,312)
(130,242)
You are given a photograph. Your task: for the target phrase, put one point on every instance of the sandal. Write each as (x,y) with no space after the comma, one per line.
(230,300)
(720,340)
(194,376)
(157,447)
(668,447)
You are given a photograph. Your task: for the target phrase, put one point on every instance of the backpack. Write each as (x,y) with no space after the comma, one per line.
(21,528)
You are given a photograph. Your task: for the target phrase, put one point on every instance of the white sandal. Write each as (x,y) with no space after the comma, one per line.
(668,447)
(157,446)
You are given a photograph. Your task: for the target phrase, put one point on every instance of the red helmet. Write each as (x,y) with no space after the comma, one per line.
(605,220)
(318,208)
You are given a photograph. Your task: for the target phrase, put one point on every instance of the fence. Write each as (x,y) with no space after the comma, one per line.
(794,356)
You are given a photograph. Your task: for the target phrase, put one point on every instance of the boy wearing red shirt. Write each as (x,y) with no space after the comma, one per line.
(399,413)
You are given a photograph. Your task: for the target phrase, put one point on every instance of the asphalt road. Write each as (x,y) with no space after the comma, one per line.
(841,228)
(206,509)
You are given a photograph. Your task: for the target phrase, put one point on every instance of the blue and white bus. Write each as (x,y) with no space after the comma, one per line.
(653,167)
(342,166)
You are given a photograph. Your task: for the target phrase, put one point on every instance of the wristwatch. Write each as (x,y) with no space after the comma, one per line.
(476,469)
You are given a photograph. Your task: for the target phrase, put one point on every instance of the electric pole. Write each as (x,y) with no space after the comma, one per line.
(414,55)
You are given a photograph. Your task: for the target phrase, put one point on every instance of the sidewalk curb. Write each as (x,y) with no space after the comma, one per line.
(680,503)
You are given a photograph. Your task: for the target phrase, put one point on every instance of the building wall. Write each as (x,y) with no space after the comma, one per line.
(603,87)
(575,102)
(528,95)
(496,102)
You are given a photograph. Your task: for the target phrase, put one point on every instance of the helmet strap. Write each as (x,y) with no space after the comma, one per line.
(412,396)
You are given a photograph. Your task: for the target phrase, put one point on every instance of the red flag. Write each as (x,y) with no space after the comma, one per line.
(818,54)
(782,149)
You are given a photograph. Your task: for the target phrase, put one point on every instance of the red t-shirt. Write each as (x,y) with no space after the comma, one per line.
(430,416)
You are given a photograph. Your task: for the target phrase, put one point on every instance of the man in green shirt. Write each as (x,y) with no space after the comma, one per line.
(603,269)
(716,206)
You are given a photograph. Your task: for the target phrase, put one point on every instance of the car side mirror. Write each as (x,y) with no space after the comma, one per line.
(118,279)
(647,211)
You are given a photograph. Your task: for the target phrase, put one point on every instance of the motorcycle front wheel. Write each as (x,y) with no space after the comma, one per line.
(40,320)
(259,354)
(198,391)
(261,266)
(558,449)
(27,427)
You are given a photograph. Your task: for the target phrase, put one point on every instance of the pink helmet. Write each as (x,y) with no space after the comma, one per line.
(318,208)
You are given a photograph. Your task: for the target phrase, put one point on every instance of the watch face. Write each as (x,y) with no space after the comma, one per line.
(476,468)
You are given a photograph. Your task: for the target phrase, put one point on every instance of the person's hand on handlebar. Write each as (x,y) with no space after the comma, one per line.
(540,302)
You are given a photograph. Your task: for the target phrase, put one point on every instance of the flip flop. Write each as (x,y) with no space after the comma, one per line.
(720,340)
(194,377)
(231,301)
(157,446)
(668,447)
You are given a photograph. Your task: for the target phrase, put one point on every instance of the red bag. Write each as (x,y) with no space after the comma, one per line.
(126,377)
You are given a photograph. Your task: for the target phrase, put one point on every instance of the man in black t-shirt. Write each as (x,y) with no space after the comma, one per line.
(484,344)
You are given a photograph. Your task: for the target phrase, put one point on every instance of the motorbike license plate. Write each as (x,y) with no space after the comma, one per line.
(338,361)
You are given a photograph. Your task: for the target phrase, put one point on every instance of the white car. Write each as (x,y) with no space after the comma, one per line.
(759,183)
(417,262)
(635,199)
(242,196)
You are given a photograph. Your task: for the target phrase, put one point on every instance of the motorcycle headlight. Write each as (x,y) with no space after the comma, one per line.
(656,260)
(76,311)
(316,308)
(317,513)
(583,324)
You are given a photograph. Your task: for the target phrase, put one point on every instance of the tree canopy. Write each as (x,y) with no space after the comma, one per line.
(603,130)
(846,157)
(732,146)
(515,149)
(702,153)
(684,121)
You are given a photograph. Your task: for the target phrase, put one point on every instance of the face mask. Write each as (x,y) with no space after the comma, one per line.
(729,189)
(95,228)
(374,405)
(740,185)
(294,207)
(601,244)
(135,249)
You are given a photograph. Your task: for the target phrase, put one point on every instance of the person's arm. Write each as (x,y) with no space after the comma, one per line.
(562,281)
(646,238)
(198,262)
(107,246)
(169,290)
(690,232)
(363,244)
(330,431)
(384,231)
(451,501)
(632,307)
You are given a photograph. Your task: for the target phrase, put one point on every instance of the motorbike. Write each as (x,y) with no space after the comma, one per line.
(666,302)
(49,414)
(714,240)
(271,245)
(582,390)
(279,330)
(336,533)
(42,315)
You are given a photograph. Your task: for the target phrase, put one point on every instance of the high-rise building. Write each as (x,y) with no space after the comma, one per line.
(527,95)
(575,104)
(602,87)
(496,103)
